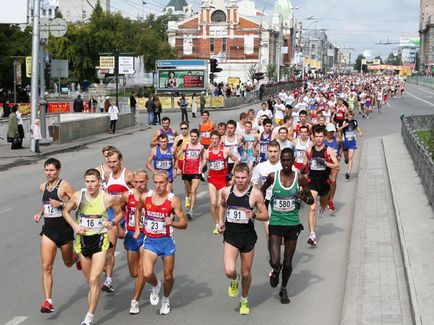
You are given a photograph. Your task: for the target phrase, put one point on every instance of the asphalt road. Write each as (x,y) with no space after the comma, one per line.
(316,288)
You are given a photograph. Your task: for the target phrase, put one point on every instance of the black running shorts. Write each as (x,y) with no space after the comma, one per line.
(288,232)
(61,235)
(244,241)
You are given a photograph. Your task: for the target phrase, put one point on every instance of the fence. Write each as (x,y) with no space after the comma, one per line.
(273,89)
(422,158)
(422,81)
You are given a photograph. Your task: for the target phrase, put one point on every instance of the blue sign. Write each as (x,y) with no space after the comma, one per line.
(178,63)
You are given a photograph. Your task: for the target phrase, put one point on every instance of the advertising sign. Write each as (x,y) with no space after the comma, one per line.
(181,79)
(126,65)
(14,12)
(234,81)
(107,62)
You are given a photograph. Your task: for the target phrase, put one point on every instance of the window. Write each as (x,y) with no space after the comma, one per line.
(224,44)
(218,16)
(211,45)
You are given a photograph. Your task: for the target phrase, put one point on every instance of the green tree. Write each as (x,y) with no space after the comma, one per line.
(358,64)
(251,73)
(394,59)
(271,73)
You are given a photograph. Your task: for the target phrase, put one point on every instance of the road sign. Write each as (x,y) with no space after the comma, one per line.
(59,69)
(107,62)
(14,12)
(28,66)
(126,65)
(58,27)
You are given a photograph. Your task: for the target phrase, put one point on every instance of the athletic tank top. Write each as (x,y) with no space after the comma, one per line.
(92,215)
(131,211)
(232,146)
(236,207)
(53,216)
(179,152)
(250,140)
(218,167)
(192,159)
(284,203)
(349,132)
(170,136)
(318,170)
(155,217)
(164,161)
(116,186)
(332,144)
(300,150)
(340,113)
(205,132)
(263,144)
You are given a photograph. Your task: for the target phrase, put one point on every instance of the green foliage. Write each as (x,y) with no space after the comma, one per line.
(427,139)
(251,73)
(271,73)
(394,59)
(285,73)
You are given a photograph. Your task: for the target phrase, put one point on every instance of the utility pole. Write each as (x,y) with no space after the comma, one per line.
(35,66)
(15,81)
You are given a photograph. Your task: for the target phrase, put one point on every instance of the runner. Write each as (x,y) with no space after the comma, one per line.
(180,140)
(303,122)
(231,142)
(302,146)
(349,129)
(162,157)
(321,159)
(248,150)
(263,139)
(130,200)
(91,228)
(217,158)
(104,168)
(159,205)
(335,143)
(206,126)
(119,180)
(236,223)
(191,170)
(282,139)
(221,128)
(287,188)
(171,134)
(56,232)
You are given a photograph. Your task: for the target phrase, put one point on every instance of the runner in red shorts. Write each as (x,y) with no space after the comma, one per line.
(217,158)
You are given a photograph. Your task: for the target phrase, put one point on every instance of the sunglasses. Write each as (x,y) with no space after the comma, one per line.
(184,129)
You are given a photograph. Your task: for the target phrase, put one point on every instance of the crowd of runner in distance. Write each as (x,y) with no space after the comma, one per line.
(260,167)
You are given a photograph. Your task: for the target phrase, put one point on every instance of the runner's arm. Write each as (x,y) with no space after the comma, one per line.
(149,161)
(335,163)
(111,202)
(305,194)
(137,215)
(268,182)
(221,210)
(72,204)
(181,223)
(129,177)
(262,213)
(154,140)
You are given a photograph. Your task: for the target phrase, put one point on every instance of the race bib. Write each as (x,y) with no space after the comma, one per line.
(249,145)
(236,216)
(318,164)
(52,212)
(192,154)
(163,164)
(131,219)
(284,204)
(299,154)
(350,135)
(263,149)
(91,223)
(170,138)
(205,134)
(155,227)
(217,165)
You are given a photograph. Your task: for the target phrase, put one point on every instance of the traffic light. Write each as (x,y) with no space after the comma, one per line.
(211,77)
(214,65)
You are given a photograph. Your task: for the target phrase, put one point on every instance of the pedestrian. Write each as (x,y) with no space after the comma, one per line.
(20,126)
(92,104)
(6,109)
(150,110)
(202,102)
(106,104)
(193,105)
(133,102)
(78,104)
(114,115)
(183,103)
(157,110)
(36,134)
(13,135)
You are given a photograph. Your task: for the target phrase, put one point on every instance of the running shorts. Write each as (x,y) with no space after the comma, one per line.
(162,246)
(287,232)
(218,183)
(59,235)
(322,187)
(190,177)
(131,244)
(89,245)
(349,145)
(243,241)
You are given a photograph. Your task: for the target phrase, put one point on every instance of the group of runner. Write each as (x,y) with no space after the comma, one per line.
(260,167)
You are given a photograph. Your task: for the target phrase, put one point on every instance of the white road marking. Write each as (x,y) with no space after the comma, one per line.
(17,320)
(425,90)
(5,210)
(423,100)
(201,194)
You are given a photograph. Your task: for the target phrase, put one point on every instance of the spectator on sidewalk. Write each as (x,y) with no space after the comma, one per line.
(6,109)
(133,102)
(36,134)
(106,104)
(194,105)
(150,110)
(183,104)
(157,110)
(114,115)
(92,104)
(20,126)
(13,135)
(78,104)
(202,102)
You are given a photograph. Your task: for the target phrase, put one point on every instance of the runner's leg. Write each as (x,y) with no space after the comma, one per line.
(48,254)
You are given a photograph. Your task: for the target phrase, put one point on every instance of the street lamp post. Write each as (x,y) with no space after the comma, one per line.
(35,66)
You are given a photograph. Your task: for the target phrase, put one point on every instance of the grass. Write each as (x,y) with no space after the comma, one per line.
(427,138)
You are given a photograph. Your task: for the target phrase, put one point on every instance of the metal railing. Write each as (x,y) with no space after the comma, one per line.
(422,81)
(421,156)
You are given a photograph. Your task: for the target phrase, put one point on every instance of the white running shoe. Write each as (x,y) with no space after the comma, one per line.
(165,307)
(134,309)
(154,298)
(312,240)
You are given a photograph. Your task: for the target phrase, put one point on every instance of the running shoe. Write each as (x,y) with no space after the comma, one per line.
(312,240)
(189,215)
(274,278)
(165,307)
(187,202)
(215,231)
(87,321)
(321,212)
(78,265)
(134,308)
(244,307)
(202,177)
(46,307)
(284,296)
(347,176)
(107,286)
(233,288)
(154,298)
(331,206)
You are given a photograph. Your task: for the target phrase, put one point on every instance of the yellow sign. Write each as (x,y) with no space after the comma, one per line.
(166,102)
(306,61)
(376,61)
(234,81)
(28,66)
(107,62)
(364,61)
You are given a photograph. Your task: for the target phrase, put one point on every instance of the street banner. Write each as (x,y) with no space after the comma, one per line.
(384,67)
(188,44)
(28,66)
(248,44)
(19,73)
(234,81)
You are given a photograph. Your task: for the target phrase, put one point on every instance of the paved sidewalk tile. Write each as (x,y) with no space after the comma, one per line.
(375,289)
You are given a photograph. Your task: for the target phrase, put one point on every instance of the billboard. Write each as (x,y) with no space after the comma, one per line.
(409,41)
(14,12)
(181,79)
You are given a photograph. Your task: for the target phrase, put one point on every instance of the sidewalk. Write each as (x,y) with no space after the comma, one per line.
(390,268)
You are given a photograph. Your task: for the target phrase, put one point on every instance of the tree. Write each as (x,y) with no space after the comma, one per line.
(394,59)
(251,73)
(285,73)
(271,73)
(379,58)
(358,64)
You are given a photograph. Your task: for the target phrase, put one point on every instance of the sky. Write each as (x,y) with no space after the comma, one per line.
(352,25)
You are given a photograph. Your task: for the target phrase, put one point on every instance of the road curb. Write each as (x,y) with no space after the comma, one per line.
(408,271)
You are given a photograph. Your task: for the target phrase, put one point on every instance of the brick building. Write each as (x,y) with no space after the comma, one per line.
(236,33)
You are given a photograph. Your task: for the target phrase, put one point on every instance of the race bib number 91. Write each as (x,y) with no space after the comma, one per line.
(236,216)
